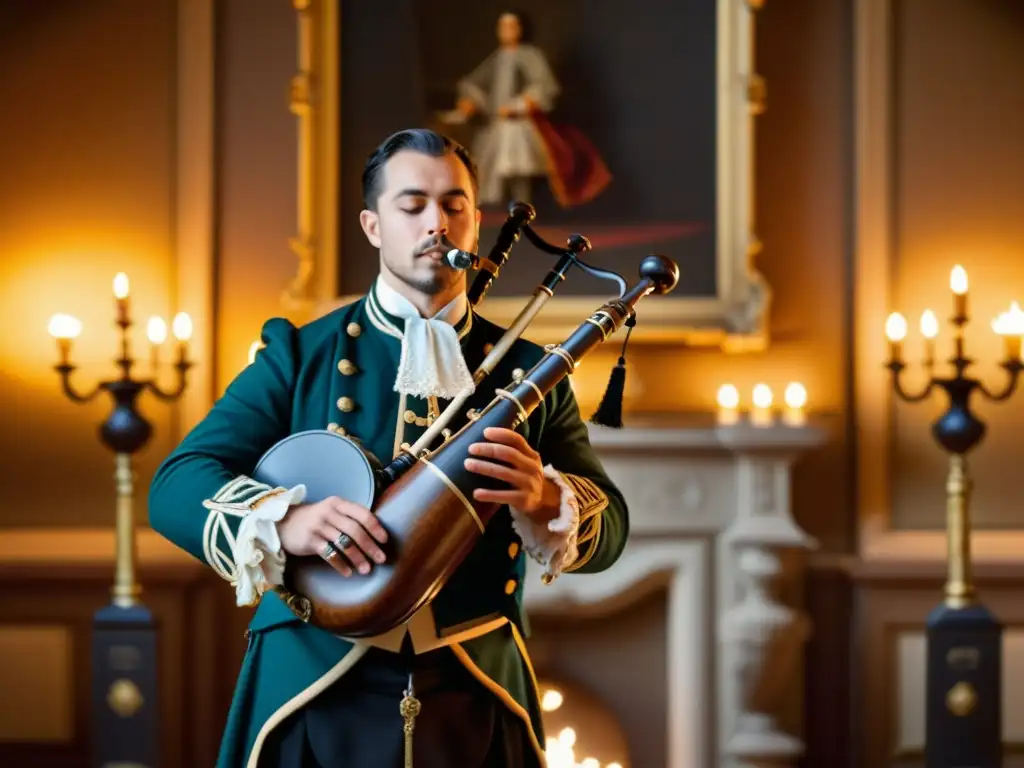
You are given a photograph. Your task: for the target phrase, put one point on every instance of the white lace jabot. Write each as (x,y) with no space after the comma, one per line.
(432,363)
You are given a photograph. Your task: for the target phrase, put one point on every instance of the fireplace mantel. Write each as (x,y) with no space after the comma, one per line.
(710,519)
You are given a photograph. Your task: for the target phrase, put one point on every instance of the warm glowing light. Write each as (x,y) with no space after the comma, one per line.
(929,324)
(156,330)
(762,415)
(614,765)
(590,762)
(795,395)
(182,327)
(896,327)
(63,326)
(567,737)
(728,405)
(121,286)
(1010,323)
(551,700)
(762,396)
(958,280)
(728,396)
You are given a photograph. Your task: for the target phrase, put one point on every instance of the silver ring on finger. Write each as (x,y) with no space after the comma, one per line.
(343,542)
(328,551)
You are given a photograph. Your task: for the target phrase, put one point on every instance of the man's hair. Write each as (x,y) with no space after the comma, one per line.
(420,140)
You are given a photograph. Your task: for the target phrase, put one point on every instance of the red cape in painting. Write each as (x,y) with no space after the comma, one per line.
(576,172)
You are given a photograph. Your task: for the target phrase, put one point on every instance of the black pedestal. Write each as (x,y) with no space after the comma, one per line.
(124,690)
(964,689)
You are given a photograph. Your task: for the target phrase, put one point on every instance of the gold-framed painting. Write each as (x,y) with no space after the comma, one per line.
(658,116)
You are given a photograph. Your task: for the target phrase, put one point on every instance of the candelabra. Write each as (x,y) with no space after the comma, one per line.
(964,665)
(124,685)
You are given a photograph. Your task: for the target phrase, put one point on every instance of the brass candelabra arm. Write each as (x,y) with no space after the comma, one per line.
(182,367)
(65,370)
(897,368)
(1013,367)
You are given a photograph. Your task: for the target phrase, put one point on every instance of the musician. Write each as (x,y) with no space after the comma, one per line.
(380,370)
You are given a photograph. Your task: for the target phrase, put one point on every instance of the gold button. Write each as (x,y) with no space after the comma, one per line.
(354,329)
(420,421)
(337,429)
(345,404)
(513,549)
(510,586)
(409,417)
(346,368)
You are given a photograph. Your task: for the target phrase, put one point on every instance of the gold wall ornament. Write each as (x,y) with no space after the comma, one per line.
(734,319)
(124,697)
(313,244)
(962,699)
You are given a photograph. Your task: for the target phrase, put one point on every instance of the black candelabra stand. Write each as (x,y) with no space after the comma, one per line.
(964,664)
(125,716)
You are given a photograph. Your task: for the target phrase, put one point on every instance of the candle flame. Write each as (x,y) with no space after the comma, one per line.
(63,326)
(958,280)
(181,326)
(156,330)
(762,396)
(896,327)
(728,396)
(1010,323)
(796,395)
(121,286)
(929,324)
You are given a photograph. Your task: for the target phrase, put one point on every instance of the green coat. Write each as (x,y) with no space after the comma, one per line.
(338,372)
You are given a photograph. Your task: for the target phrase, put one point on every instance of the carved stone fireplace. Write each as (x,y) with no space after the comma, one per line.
(684,639)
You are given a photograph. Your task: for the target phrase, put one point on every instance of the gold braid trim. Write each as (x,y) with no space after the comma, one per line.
(592,502)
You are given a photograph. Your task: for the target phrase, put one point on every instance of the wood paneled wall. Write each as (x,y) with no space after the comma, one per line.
(46,627)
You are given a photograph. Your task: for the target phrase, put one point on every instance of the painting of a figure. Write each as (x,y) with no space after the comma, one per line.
(603,119)
(513,90)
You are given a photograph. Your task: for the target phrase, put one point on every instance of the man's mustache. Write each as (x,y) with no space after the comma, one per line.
(436,245)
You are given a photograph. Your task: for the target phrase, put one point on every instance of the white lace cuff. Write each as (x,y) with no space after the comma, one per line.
(553,544)
(259,558)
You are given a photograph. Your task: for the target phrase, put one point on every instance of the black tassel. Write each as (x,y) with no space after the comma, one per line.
(609,412)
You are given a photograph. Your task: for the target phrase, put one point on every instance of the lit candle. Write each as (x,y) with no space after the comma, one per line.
(1010,325)
(958,285)
(64,328)
(896,330)
(795,398)
(121,297)
(156,330)
(929,329)
(761,414)
(181,327)
(728,405)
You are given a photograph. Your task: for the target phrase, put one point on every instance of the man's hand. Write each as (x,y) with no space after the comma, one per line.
(306,529)
(532,493)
